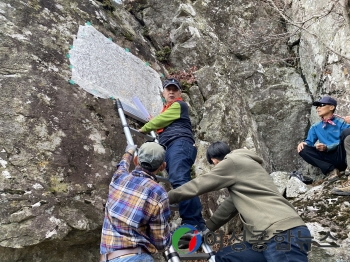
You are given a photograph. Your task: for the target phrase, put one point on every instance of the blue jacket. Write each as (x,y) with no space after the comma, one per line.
(329,135)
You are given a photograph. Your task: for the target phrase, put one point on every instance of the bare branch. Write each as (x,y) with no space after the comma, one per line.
(301,27)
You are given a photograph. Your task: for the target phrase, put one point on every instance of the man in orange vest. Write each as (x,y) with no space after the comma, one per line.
(174,129)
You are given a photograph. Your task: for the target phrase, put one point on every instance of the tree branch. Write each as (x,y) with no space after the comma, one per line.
(301,27)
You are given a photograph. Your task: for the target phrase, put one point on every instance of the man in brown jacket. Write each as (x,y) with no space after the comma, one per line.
(273,231)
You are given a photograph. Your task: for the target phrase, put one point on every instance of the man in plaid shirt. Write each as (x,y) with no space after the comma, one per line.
(137,209)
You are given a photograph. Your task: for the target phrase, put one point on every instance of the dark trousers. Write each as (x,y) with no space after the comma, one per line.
(179,158)
(292,248)
(327,161)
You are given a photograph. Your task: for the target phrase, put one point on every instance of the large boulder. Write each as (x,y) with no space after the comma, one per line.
(59,144)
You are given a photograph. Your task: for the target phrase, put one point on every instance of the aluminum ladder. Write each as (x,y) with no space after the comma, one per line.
(171,255)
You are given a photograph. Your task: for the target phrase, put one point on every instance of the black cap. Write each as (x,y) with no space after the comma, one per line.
(325,100)
(171,81)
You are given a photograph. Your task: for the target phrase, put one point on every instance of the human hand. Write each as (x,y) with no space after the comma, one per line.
(140,130)
(130,148)
(301,146)
(321,147)
(347,119)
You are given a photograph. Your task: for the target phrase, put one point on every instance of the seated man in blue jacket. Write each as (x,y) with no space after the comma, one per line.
(329,154)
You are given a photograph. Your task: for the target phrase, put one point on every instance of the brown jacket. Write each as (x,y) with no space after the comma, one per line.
(252,194)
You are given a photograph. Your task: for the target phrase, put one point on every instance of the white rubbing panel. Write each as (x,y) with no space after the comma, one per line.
(106,70)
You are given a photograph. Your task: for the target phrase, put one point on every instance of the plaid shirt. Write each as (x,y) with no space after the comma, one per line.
(136,212)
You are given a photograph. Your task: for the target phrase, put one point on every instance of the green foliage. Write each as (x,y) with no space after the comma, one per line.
(163,55)
(145,32)
(129,36)
(172,70)
(107,4)
(34,4)
(135,7)
(193,173)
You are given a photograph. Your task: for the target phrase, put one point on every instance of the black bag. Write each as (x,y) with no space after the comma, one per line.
(305,179)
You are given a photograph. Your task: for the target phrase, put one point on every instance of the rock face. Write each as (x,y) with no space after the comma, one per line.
(59,144)
(259,64)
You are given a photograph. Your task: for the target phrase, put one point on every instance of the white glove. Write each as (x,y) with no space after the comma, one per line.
(130,148)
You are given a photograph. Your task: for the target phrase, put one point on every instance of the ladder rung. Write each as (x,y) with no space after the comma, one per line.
(145,136)
(170,253)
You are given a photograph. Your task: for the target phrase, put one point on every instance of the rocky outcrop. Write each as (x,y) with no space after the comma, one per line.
(259,66)
(244,72)
(59,144)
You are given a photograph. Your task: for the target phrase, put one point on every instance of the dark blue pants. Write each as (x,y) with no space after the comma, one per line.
(327,161)
(179,158)
(291,245)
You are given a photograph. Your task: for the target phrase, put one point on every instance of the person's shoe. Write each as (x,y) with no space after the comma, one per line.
(343,189)
(332,176)
(305,179)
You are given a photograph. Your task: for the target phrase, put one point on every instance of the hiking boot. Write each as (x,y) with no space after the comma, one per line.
(332,176)
(343,189)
